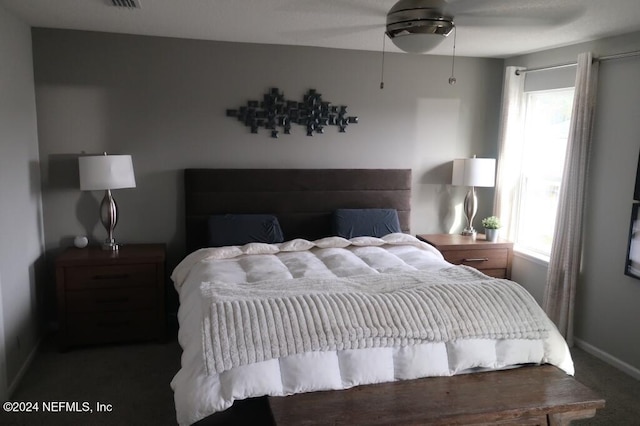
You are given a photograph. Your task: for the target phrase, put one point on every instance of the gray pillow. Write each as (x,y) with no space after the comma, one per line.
(349,223)
(240,229)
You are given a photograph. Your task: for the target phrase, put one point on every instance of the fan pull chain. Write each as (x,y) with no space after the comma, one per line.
(452,79)
(384,36)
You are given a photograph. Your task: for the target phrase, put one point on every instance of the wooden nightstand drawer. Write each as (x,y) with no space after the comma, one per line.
(106,296)
(480,259)
(492,258)
(111,299)
(90,277)
(103,327)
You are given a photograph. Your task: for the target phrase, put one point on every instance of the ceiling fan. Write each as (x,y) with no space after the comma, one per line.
(417,26)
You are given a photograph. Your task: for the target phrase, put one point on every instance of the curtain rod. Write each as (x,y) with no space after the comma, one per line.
(573,64)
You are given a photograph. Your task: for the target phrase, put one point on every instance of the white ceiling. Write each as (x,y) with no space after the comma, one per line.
(487,28)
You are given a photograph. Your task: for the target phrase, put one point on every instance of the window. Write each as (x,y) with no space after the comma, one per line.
(546,129)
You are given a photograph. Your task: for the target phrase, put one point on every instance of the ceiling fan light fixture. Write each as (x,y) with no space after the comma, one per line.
(417,42)
(417,26)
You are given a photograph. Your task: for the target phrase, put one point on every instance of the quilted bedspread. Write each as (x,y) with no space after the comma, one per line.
(200,392)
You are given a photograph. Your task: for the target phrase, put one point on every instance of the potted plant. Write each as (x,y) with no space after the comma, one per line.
(491,226)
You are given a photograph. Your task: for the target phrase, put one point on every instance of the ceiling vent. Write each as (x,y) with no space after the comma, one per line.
(129,4)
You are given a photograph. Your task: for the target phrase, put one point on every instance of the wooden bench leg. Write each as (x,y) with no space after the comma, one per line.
(564,419)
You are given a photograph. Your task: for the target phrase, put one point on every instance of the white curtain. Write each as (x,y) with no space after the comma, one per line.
(509,154)
(566,249)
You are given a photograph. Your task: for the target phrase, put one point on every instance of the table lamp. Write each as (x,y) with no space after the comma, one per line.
(107,172)
(473,172)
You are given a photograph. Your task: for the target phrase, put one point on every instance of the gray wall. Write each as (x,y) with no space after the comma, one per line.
(163,101)
(21,235)
(607,301)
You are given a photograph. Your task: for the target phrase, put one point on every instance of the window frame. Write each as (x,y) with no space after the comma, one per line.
(521,247)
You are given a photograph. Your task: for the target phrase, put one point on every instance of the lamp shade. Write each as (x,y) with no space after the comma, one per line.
(474,172)
(99,172)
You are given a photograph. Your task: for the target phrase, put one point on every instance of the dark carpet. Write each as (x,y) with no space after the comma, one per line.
(131,382)
(620,391)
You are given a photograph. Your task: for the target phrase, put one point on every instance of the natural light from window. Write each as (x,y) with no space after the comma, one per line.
(546,129)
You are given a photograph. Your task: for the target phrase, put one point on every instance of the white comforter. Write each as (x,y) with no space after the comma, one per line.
(198,395)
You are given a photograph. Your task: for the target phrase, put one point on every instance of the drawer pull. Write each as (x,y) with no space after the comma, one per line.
(113,300)
(476,259)
(111,277)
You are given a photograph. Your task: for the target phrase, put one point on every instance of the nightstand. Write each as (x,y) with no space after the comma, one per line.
(493,259)
(111,296)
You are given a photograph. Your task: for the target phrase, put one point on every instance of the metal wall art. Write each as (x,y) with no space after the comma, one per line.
(274,112)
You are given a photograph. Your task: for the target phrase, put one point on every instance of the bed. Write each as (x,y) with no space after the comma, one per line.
(233,353)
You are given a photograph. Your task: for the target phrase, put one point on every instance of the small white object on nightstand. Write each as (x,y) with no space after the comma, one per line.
(80,241)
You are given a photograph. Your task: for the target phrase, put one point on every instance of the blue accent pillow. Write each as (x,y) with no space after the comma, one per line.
(240,229)
(349,223)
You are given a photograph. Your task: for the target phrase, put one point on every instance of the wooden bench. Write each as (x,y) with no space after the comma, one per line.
(536,395)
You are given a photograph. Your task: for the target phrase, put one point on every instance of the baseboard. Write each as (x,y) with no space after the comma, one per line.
(23,370)
(609,359)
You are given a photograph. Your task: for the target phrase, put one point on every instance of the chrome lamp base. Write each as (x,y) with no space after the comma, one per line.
(109,218)
(110,245)
(469,232)
(470,209)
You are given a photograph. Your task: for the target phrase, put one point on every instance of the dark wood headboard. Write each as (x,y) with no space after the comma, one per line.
(302,199)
